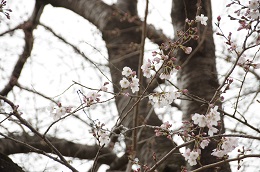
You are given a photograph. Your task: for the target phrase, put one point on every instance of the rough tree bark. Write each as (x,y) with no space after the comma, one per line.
(123,38)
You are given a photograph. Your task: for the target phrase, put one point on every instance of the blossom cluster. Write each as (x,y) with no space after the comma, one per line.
(164,98)
(130,79)
(93,97)
(246,63)
(191,156)
(160,61)
(225,146)
(164,130)
(100,134)
(248,17)
(249,11)
(59,110)
(209,120)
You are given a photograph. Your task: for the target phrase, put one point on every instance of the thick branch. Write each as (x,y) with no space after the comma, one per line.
(65,147)
(99,13)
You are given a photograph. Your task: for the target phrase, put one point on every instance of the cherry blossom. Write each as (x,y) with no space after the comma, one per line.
(212,130)
(100,133)
(218,153)
(254,14)
(134,84)
(146,68)
(131,81)
(127,71)
(227,145)
(165,76)
(200,120)
(92,96)
(213,117)
(187,50)
(103,137)
(253,4)
(124,83)
(202,19)
(204,143)
(103,88)
(136,167)
(165,98)
(59,111)
(209,120)
(164,130)
(191,156)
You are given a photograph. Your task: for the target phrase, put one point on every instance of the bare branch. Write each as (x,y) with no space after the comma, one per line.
(28,28)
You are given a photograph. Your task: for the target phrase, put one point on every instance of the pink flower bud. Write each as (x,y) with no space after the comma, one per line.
(185,91)
(187,50)
(219,18)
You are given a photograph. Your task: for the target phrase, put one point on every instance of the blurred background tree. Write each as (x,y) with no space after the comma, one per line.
(44,64)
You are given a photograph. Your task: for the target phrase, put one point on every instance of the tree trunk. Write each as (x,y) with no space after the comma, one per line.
(199,75)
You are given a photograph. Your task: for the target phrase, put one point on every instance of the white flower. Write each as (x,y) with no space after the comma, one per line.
(172,95)
(92,95)
(188,50)
(218,153)
(127,71)
(186,154)
(193,157)
(204,143)
(134,89)
(166,125)
(134,84)
(103,88)
(165,76)
(136,165)
(58,112)
(163,99)
(228,145)
(254,14)
(124,83)
(213,117)
(147,73)
(103,137)
(212,130)
(199,119)
(146,68)
(158,65)
(253,4)
(202,19)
